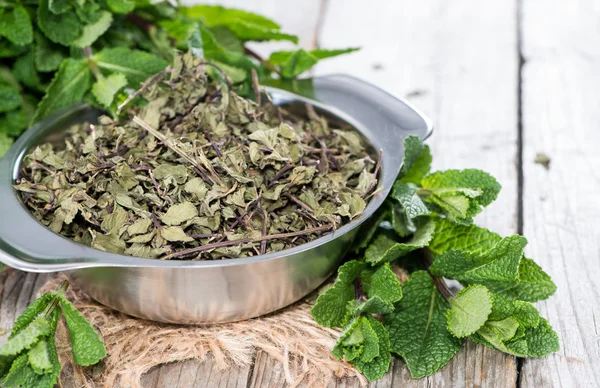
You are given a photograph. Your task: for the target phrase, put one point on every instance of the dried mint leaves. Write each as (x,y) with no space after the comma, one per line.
(196,171)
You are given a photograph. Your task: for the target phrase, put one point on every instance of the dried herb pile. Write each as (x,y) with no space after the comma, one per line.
(197,172)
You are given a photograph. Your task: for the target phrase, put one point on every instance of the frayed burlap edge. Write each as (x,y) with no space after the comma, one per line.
(290,336)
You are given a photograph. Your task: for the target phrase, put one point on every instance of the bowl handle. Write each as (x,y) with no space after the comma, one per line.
(385,116)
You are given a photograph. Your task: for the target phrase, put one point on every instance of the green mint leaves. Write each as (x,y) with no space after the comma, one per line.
(417,328)
(470,309)
(57,53)
(29,358)
(427,220)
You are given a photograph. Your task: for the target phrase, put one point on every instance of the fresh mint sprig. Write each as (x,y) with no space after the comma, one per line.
(430,216)
(29,357)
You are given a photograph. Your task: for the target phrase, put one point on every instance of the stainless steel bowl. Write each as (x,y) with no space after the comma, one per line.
(192,292)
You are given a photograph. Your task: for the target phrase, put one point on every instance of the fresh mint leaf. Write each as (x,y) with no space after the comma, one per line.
(252,32)
(245,25)
(227,39)
(69,85)
(10,98)
(386,249)
(24,70)
(91,32)
(417,160)
(214,51)
(136,65)
(105,89)
(400,222)
(406,195)
(7,78)
(470,309)
(459,205)
(469,179)
(498,264)
(417,327)
(462,193)
(533,342)
(121,6)
(26,338)
(89,12)
(533,284)
(373,305)
(294,63)
(15,25)
(5,143)
(39,358)
(380,364)
(369,227)
(541,341)
(10,50)
(381,282)
(467,238)
(62,28)
(28,107)
(215,15)
(12,123)
(22,374)
(48,55)
(330,307)
(30,313)
(523,312)
(59,6)
(358,340)
(179,29)
(87,346)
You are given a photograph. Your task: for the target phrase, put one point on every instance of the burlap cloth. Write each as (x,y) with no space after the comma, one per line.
(135,346)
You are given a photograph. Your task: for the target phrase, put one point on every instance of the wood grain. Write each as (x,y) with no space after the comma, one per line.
(561,90)
(458,62)
(17,290)
(195,374)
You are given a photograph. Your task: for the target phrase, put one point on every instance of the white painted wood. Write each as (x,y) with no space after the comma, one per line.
(458,62)
(561,90)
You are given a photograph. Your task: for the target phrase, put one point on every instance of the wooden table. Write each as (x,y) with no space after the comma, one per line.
(502,80)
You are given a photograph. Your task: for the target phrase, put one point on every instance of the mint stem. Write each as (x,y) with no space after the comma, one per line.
(60,290)
(87,53)
(439,282)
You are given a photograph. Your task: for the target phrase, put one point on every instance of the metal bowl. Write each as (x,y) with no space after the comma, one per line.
(192,292)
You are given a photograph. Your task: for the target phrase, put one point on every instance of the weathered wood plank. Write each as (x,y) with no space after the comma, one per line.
(17,290)
(459,63)
(195,374)
(561,89)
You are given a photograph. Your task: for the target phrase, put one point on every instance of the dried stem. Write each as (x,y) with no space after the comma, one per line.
(144,86)
(263,244)
(300,203)
(256,87)
(265,62)
(222,244)
(171,144)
